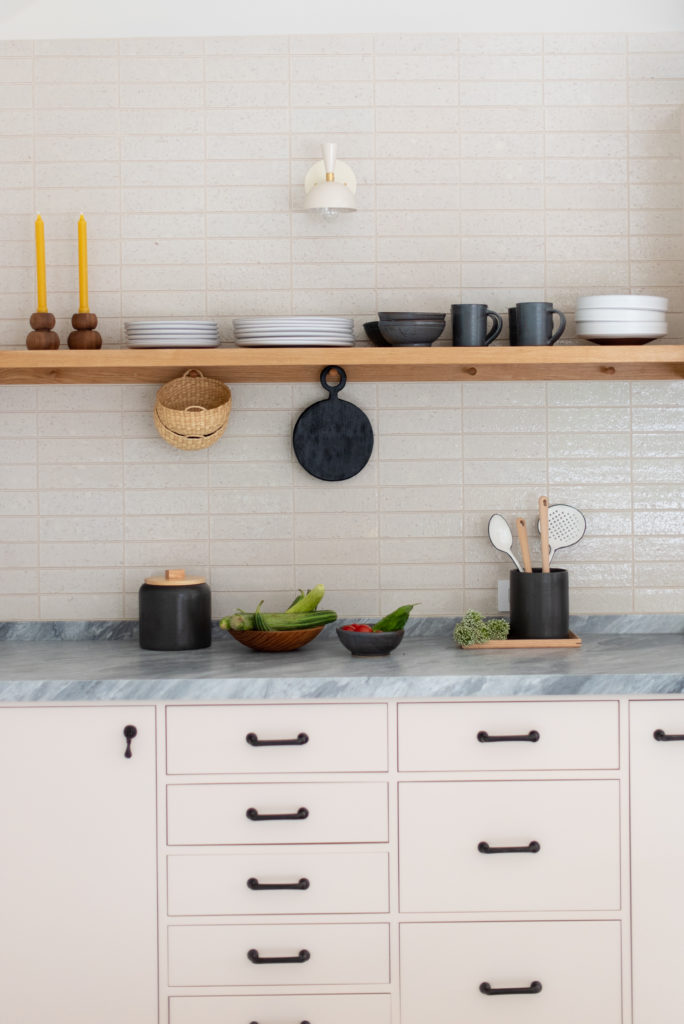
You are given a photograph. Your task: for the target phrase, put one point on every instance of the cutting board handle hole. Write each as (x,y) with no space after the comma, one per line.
(332,389)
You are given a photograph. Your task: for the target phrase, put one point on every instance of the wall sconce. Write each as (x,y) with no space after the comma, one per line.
(324,193)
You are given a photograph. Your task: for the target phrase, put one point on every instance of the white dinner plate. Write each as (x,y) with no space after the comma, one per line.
(292,342)
(597,331)
(293,322)
(654,302)
(292,332)
(623,316)
(177,341)
(171,330)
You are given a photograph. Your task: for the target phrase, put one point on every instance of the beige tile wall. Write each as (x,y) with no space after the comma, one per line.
(491,168)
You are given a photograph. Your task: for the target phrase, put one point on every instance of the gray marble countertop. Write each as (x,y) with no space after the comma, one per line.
(422,666)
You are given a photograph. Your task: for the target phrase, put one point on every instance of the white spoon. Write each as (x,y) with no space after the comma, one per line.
(501,537)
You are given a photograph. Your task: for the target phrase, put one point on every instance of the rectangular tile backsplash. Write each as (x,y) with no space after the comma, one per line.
(491,168)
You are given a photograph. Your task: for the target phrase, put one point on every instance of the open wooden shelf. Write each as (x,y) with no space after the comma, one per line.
(291,365)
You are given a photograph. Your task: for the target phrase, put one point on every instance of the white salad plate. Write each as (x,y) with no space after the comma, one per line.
(171,330)
(291,331)
(171,323)
(644,332)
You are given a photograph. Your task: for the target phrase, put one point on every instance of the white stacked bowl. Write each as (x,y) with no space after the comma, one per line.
(614,318)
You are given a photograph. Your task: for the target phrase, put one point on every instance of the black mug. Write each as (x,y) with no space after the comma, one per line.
(531,323)
(469,324)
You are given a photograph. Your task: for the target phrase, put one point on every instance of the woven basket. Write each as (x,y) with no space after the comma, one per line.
(186,442)
(193,405)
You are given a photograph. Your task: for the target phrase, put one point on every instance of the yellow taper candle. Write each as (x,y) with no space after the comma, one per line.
(82,265)
(40,265)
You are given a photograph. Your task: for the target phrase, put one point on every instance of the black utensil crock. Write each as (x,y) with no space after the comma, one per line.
(540,605)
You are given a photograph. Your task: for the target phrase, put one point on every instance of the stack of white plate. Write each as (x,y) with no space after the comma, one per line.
(171,334)
(615,318)
(266,331)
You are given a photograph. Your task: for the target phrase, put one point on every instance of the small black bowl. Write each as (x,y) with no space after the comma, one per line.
(372,329)
(369,645)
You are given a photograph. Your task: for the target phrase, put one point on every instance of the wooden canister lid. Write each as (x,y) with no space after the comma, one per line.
(174,578)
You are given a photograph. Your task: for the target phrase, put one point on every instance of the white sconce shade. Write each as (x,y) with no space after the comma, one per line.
(330,185)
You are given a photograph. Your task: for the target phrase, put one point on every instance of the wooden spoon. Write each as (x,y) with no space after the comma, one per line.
(544,531)
(524,545)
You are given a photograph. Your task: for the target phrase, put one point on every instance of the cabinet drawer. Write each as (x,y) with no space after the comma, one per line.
(329,812)
(571,734)
(339,954)
(575,824)
(339,738)
(333,1009)
(330,883)
(577,964)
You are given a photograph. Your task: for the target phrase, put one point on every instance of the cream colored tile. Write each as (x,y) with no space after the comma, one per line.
(243,121)
(585,471)
(498,472)
(323,526)
(167,553)
(63,69)
(240,501)
(514,421)
(161,46)
(327,94)
(428,525)
(162,174)
(236,277)
(80,555)
(655,169)
(166,527)
(243,199)
(433,395)
(335,552)
(503,171)
(502,197)
(344,68)
(396,42)
(490,248)
(655,42)
(494,445)
(246,44)
(417,197)
(662,599)
(584,42)
(513,496)
(248,147)
(516,68)
(84,581)
(17,556)
(225,581)
(498,43)
(422,551)
(416,118)
(587,92)
(656,91)
(316,119)
(332,44)
(414,68)
(74,606)
(657,471)
(501,93)
(416,94)
(411,447)
(502,119)
(658,549)
(515,275)
(657,521)
(421,473)
(14,607)
(162,200)
(16,69)
(421,577)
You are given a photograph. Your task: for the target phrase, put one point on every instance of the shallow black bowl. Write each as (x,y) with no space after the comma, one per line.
(369,645)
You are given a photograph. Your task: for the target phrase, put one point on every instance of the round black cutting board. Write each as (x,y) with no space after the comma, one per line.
(333,439)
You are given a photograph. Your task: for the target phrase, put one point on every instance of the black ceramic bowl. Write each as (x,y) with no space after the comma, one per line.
(412,316)
(372,329)
(411,332)
(369,645)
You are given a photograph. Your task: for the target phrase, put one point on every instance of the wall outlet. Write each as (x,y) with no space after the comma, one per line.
(503,599)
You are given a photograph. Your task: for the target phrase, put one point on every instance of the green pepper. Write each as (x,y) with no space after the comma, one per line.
(395,620)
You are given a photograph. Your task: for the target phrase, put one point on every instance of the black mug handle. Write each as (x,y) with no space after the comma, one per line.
(561,326)
(496,329)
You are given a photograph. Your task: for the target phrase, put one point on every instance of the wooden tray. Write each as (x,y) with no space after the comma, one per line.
(572,640)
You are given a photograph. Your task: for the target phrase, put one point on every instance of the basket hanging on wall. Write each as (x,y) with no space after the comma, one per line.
(191,412)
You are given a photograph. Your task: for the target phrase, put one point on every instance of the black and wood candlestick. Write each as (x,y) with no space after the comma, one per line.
(42,336)
(84,334)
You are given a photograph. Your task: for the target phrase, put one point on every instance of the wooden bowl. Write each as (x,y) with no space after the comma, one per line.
(275,639)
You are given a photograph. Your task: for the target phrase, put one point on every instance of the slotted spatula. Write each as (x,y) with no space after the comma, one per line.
(567,526)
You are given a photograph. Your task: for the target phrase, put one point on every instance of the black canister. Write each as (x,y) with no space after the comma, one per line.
(175,612)
(540,605)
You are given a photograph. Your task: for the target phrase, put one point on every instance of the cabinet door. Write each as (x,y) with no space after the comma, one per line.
(77,866)
(657,798)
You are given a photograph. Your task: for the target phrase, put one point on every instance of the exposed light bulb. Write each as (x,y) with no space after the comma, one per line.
(329,213)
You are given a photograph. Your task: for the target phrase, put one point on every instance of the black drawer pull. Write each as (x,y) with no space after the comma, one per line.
(532,847)
(299,815)
(299,741)
(130,732)
(531,990)
(662,736)
(254,883)
(532,737)
(301,958)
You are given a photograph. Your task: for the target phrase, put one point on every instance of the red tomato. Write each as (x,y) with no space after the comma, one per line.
(364,628)
(352,629)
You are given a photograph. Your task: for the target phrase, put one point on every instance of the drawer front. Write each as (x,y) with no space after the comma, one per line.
(575,824)
(329,812)
(339,954)
(333,1009)
(319,883)
(571,734)
(576,962)
(339,738)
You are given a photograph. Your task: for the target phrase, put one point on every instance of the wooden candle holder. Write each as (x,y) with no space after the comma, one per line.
(42,336)
(84,334)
